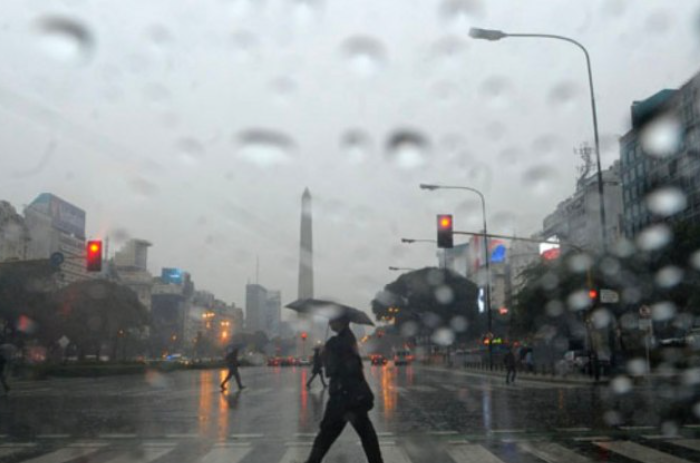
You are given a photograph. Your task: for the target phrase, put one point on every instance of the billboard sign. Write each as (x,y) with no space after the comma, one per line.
(551,249)
(172,276)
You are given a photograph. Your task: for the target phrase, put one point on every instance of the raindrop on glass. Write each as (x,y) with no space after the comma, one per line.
(365,56)
(658,22)
(621,385)
(356,146)
(669,276)
(663,311)
(637,367)
(245,47)
(443,337)
(190,151)
(445,53)
(444,295)
(497,91)
(539,180)
(654,237)
(409,329)
(666,201)
(695,260)
(265,148)
(601,318)
(578,300)
(554,308)
(67,40)
(461,13)
(580,263)
(407,149)
(459,324)
(662,136)
(563,95)
(143,187)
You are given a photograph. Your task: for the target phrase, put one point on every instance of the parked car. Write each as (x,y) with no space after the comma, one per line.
(378,359)
(274,362)
(304,362)
(402,357)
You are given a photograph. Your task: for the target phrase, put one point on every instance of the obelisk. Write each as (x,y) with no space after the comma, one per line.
(306,262)
(306,257)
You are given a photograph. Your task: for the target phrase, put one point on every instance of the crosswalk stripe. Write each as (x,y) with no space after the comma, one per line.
(256,435)
(552,453)
(471,453)
(295,454)
(226,454)
(7,450)
(143,454)
(639,452)
(692,444)
(421,388)
(393,454)
(450,387)
(65,454)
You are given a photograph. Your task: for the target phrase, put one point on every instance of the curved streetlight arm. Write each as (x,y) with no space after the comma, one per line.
(491,34)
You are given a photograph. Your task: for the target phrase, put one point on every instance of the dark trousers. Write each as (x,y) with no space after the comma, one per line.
(334,420)
(510,375)
(232,372)
(315,373)
(3,380)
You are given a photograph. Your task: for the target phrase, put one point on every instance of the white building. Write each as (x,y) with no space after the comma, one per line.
(262,310)
(576,220)
(14,234)
(54,226)
(130,268)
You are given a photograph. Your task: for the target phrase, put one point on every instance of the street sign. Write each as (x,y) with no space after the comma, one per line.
(56,259)
(608,296)
(645,311)
(63,342)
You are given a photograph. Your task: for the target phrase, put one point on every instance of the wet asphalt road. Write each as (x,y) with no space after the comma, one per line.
(422,414)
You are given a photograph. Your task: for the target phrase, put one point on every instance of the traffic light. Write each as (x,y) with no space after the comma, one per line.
(593,295)
(444,231)
(94,256)
(304,335)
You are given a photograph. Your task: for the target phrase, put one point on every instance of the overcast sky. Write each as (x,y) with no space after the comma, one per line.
(197,124)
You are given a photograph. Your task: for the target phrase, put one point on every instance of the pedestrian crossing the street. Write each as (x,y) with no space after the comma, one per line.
(394,450)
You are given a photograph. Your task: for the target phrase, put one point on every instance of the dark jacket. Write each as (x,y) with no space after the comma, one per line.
(232,359)
(317,362)
(509,360)
(344,368)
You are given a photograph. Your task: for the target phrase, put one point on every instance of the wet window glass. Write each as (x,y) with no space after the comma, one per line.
(276,231)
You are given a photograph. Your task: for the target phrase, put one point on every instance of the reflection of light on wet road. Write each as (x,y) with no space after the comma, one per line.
(205,393)
(304,415)
(486,407)
(389,392)
(223,411)
(409,375)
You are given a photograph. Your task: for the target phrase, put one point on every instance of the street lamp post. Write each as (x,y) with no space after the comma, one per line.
(401,269)
(494,35)
(486,253)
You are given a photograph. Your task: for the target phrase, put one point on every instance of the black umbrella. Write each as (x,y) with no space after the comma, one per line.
(330,310)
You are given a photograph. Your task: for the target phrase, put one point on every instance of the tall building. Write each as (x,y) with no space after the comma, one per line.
(171,301)
(56,225)
(576,220)
(306,262)
(263,309)
(130,268)
(14,234)
(675,115)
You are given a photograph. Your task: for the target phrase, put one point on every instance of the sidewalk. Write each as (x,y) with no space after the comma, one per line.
(523,376)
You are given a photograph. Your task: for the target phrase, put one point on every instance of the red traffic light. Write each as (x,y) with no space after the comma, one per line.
(593,294)
(94,256)
(304,335)
(444,231)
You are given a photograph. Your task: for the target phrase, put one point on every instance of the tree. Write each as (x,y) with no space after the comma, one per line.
(94,312)
(429,298)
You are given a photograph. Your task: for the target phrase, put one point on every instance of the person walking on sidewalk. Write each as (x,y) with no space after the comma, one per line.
(3,367)
(350,398)
(232,363)
(316,368)
(510,363)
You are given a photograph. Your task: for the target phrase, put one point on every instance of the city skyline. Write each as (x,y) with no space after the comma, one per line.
(211,196)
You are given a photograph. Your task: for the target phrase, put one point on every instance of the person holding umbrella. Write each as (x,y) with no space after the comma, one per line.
(350,398)
(316,368)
